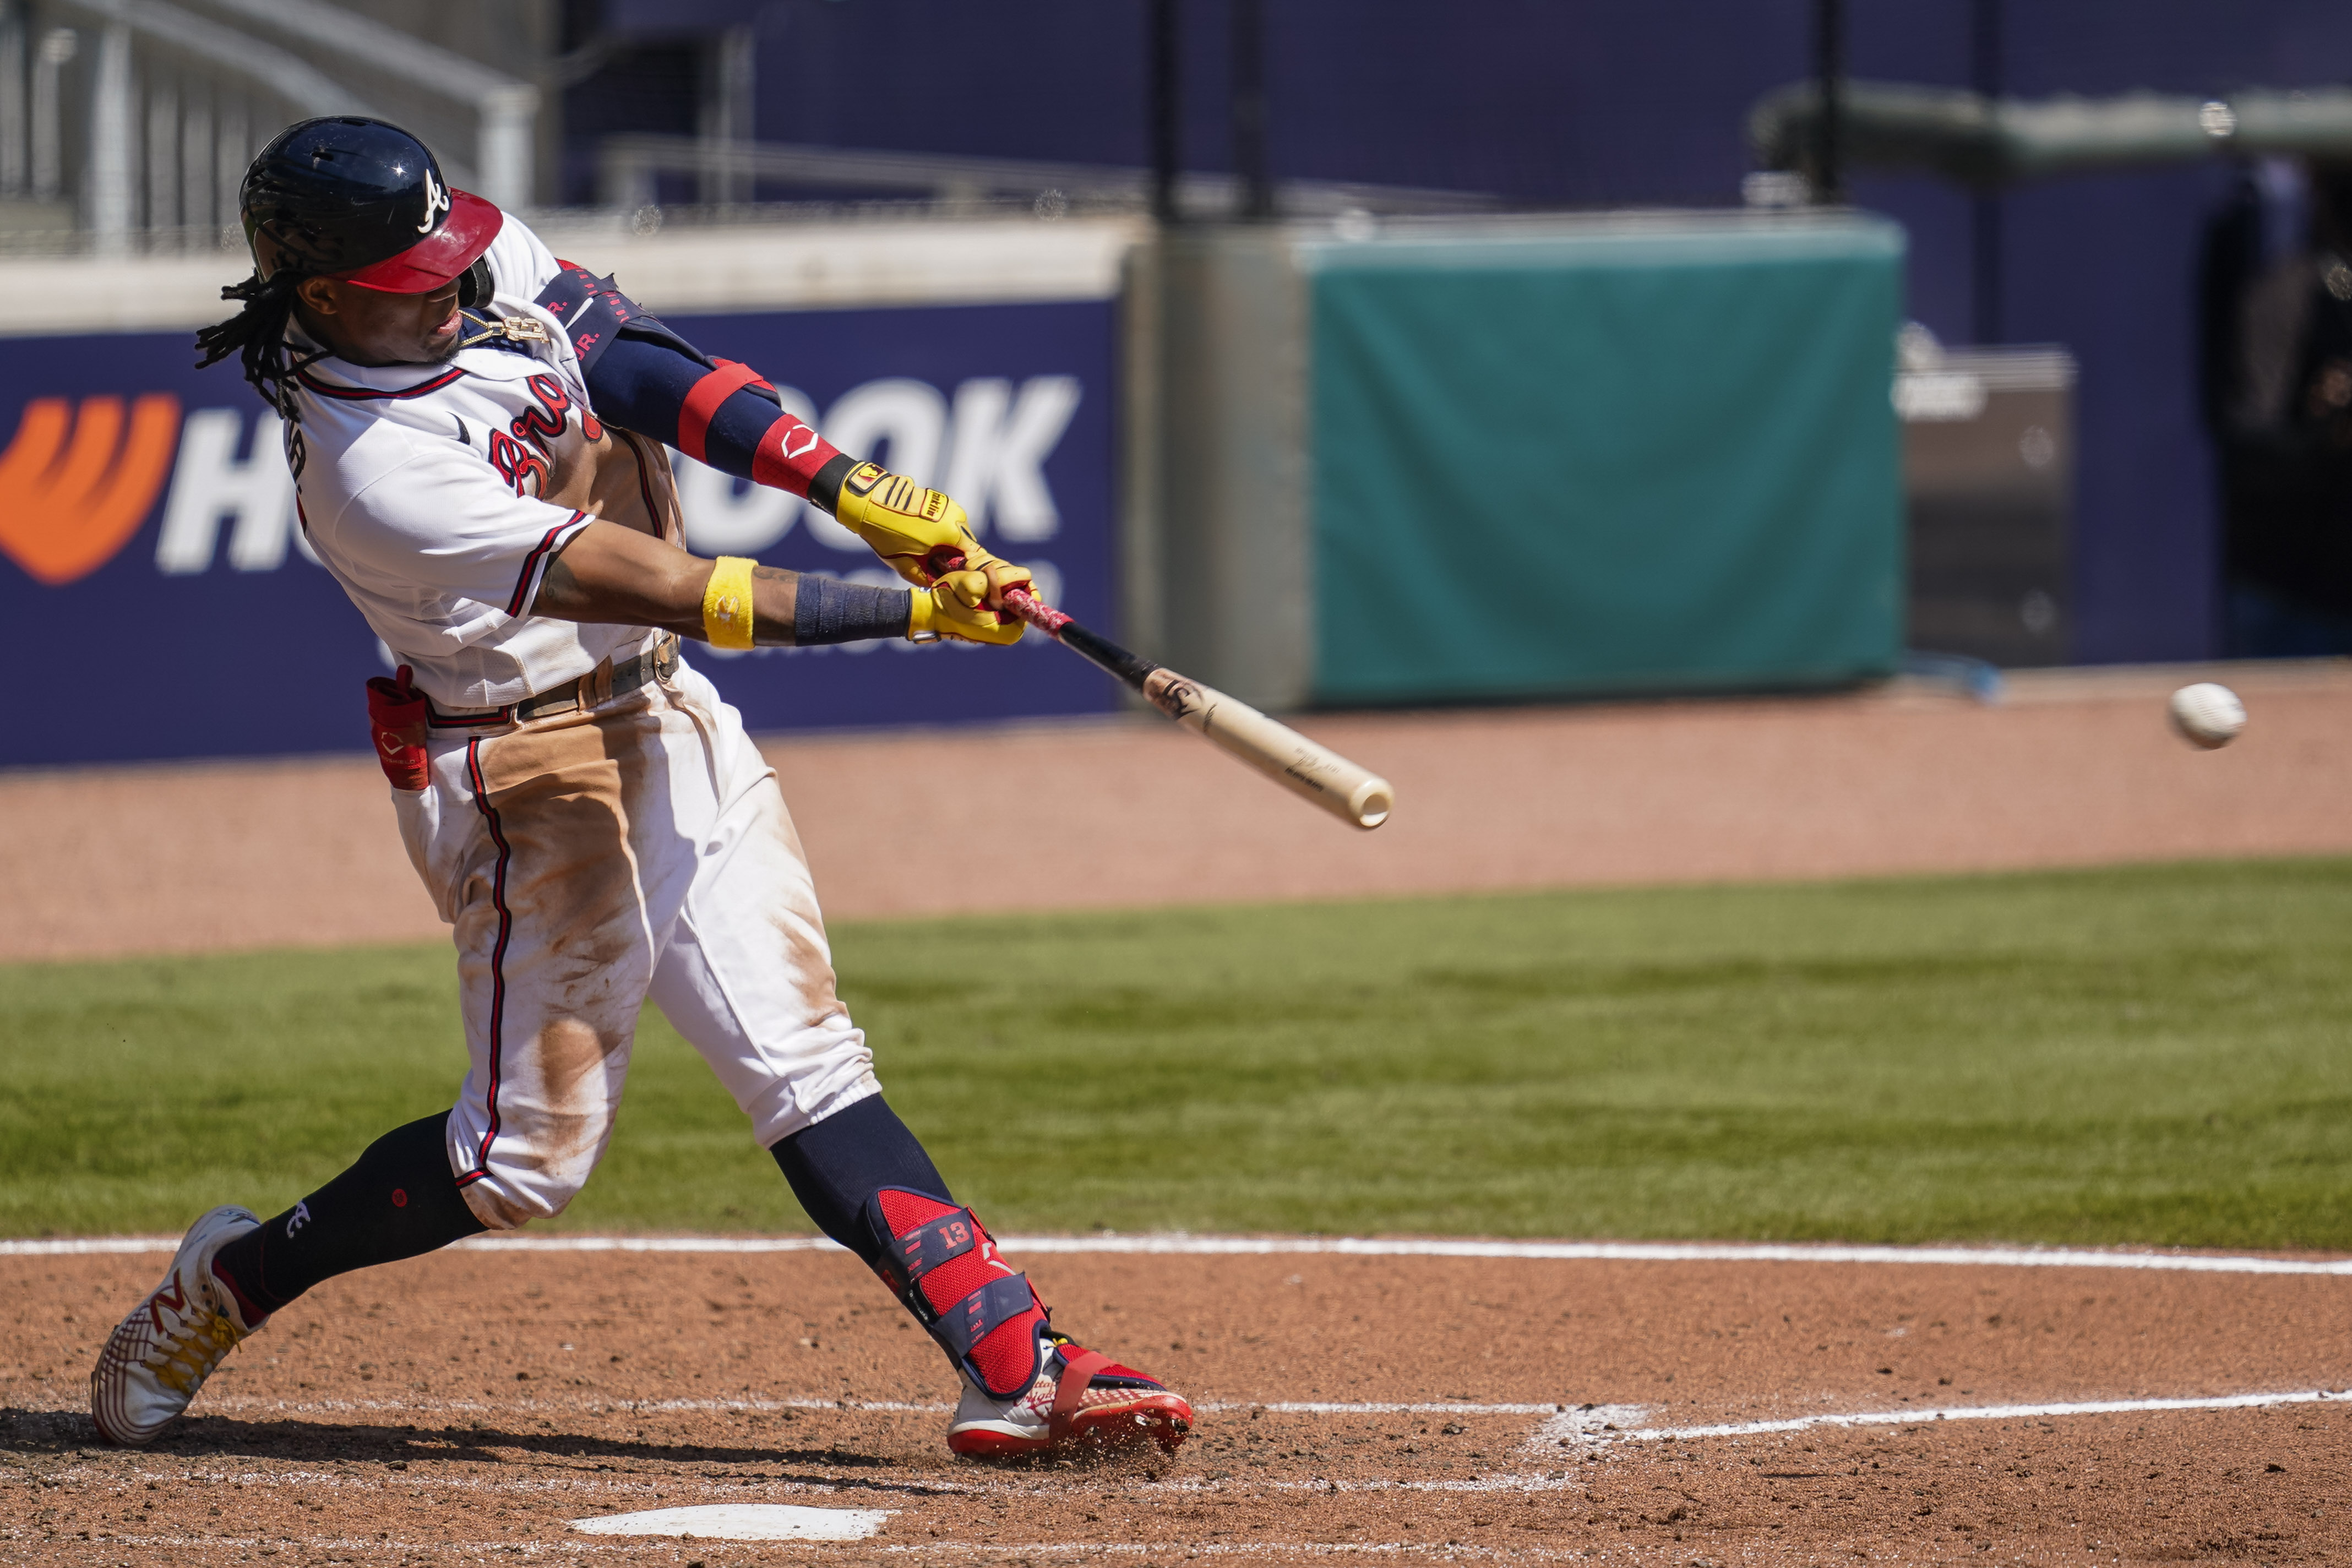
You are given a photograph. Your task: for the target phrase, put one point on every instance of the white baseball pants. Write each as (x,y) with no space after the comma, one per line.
(588,861)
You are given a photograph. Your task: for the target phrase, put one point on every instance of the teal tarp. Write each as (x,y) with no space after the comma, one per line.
(1616,462)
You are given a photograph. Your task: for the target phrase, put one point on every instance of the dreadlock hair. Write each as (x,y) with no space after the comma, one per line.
(257,334)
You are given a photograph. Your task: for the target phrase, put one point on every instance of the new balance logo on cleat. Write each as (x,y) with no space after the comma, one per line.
(159,1356)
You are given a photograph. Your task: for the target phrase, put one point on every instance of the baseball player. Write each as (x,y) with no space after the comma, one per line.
(477,433)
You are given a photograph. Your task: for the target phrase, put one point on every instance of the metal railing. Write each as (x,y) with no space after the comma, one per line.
(127,124)
(629,170)
(1988,141)
(505,110)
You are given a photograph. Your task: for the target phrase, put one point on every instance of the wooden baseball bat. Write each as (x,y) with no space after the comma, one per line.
(1314,773)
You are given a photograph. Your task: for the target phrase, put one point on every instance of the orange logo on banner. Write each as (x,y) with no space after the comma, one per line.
(66,507)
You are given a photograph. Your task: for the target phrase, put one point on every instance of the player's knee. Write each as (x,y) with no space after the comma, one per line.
(829,1066)
(537,1163)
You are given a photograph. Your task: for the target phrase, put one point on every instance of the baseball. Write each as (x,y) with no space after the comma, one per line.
(2207,715)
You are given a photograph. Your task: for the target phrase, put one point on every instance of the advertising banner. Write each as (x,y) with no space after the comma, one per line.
(155,585)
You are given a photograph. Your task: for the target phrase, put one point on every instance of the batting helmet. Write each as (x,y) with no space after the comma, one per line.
(362,201)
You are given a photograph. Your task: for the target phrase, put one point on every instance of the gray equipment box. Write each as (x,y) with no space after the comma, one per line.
(1988,477)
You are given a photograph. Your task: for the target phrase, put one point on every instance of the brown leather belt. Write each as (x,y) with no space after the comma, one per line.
(600,685)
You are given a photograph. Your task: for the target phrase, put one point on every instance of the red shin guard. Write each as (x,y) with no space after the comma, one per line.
(939,1262)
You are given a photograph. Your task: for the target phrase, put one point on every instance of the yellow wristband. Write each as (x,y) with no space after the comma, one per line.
(727,602)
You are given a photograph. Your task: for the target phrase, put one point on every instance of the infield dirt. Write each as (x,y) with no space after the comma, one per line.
(468,1406)
(2075,768)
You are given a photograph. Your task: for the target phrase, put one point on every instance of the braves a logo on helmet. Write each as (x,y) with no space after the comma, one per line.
(437,202)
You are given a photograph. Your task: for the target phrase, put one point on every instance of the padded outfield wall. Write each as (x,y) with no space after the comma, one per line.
(1615,460)
(1488,459)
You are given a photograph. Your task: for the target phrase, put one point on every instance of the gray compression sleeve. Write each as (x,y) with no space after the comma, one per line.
(826,610)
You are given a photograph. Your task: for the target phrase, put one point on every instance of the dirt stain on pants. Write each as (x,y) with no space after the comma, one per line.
(598,858)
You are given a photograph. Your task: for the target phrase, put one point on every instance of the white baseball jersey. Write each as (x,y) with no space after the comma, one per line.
(436,494)
(589,860)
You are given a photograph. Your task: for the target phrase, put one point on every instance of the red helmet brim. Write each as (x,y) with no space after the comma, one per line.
(440,256)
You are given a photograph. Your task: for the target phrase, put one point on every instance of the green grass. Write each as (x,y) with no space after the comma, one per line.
(2146,1054)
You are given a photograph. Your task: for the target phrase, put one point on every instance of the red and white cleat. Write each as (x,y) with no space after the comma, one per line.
(1081,1401)
(160,1355)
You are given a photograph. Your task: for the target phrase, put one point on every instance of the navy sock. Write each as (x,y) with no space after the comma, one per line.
(834,1166)
(398,1201)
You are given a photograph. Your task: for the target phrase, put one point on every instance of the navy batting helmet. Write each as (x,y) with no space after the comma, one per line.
(359,200)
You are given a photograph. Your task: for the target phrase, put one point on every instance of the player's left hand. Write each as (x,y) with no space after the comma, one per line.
(919,533)
(956,605)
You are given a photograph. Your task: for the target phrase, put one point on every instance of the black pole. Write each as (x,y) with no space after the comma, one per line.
(1829,68)
(1249,109)
(1984,262)
(1166,108)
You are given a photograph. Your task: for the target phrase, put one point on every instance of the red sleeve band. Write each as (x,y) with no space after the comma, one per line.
(790,455)
(703,400)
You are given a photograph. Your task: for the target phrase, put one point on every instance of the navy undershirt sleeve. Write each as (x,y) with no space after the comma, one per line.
(641,383)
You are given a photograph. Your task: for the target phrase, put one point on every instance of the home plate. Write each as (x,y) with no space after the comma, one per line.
(742,1521)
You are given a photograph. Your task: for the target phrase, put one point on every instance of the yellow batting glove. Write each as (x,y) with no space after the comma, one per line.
(914,531)
(997,574)
(957,606)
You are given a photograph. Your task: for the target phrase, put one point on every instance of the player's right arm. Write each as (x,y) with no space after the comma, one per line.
(607,575)
(437,522)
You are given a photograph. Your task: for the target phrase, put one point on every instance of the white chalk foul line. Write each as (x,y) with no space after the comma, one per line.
(887,1406)
(1594,1428)
(586,1406)
(1355,1246)
(1450,1407)
(667,1550)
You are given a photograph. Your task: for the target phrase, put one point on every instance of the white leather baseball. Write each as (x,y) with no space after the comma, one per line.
(2207,715)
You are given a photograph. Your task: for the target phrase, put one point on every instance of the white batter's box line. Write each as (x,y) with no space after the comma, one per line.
(896,1406)
(887,1406)
(1226,1549)
(1493,1481)
(1589,1427)
(1356,1247)
(1281,1549)
(593,1406)
(575,1483)
(1447,1408)
(667,1548)
(228,1402)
